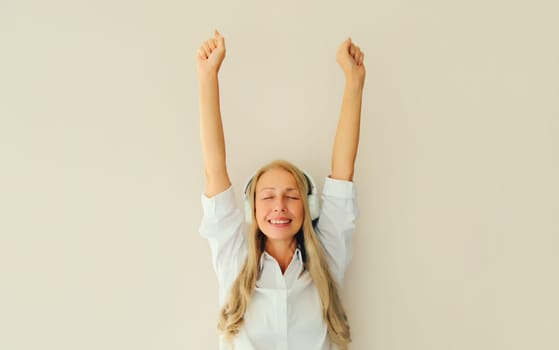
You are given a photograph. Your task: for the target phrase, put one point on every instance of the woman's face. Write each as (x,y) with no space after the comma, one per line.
(278,205)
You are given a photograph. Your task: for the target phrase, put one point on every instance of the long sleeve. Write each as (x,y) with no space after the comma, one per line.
(222,226)
(336,224)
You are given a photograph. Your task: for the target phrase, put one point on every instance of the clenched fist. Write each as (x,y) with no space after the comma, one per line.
(210,55)
(350,58)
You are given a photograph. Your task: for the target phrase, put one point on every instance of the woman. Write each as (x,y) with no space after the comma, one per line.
(279,285)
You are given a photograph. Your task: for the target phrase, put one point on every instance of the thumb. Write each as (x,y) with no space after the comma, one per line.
(220,42)
(346,43)
(343,49)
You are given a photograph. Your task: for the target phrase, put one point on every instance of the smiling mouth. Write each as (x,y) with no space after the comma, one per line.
(279,222)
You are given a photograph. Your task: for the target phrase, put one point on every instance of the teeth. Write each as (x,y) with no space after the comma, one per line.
(279,221)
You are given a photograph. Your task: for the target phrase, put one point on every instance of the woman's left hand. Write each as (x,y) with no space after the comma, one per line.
(350,58)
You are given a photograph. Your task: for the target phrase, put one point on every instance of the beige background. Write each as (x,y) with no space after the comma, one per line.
(101,175)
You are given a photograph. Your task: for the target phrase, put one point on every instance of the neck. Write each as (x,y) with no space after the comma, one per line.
(282,251)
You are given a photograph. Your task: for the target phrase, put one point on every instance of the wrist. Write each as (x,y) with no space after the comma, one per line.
(207,76)
(354,82)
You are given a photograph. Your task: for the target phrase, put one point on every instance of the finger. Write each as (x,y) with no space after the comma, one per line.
(344,47)
(211,43)
(352,50)
(207,49)
(201,53)
(357,51)
(361,57)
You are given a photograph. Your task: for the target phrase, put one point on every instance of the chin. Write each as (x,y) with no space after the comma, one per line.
(279,237)
(279,233)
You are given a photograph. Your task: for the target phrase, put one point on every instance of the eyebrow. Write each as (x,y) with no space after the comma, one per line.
(273,188)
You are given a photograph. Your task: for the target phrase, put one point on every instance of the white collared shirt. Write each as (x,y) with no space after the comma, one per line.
(285,312)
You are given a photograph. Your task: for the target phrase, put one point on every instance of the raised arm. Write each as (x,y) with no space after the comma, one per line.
(350,58)
(209,58)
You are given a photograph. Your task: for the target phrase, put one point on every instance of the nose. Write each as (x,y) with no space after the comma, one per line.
(279,204)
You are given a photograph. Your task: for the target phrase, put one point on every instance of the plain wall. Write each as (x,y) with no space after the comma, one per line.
(101,168)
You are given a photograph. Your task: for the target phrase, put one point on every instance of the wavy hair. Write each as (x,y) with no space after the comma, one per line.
(231,317)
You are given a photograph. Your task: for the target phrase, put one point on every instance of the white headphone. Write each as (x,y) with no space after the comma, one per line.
(312,199)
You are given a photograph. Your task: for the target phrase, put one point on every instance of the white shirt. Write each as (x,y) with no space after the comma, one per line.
(285,312)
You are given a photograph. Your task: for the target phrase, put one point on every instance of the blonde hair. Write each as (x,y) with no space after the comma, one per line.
(231,317)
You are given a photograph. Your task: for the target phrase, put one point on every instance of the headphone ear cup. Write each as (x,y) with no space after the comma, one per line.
(314,207)
(248,211)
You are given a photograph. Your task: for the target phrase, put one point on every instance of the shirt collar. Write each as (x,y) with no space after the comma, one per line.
(297,255)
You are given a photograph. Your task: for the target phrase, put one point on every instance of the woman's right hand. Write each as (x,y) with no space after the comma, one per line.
(210,55)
